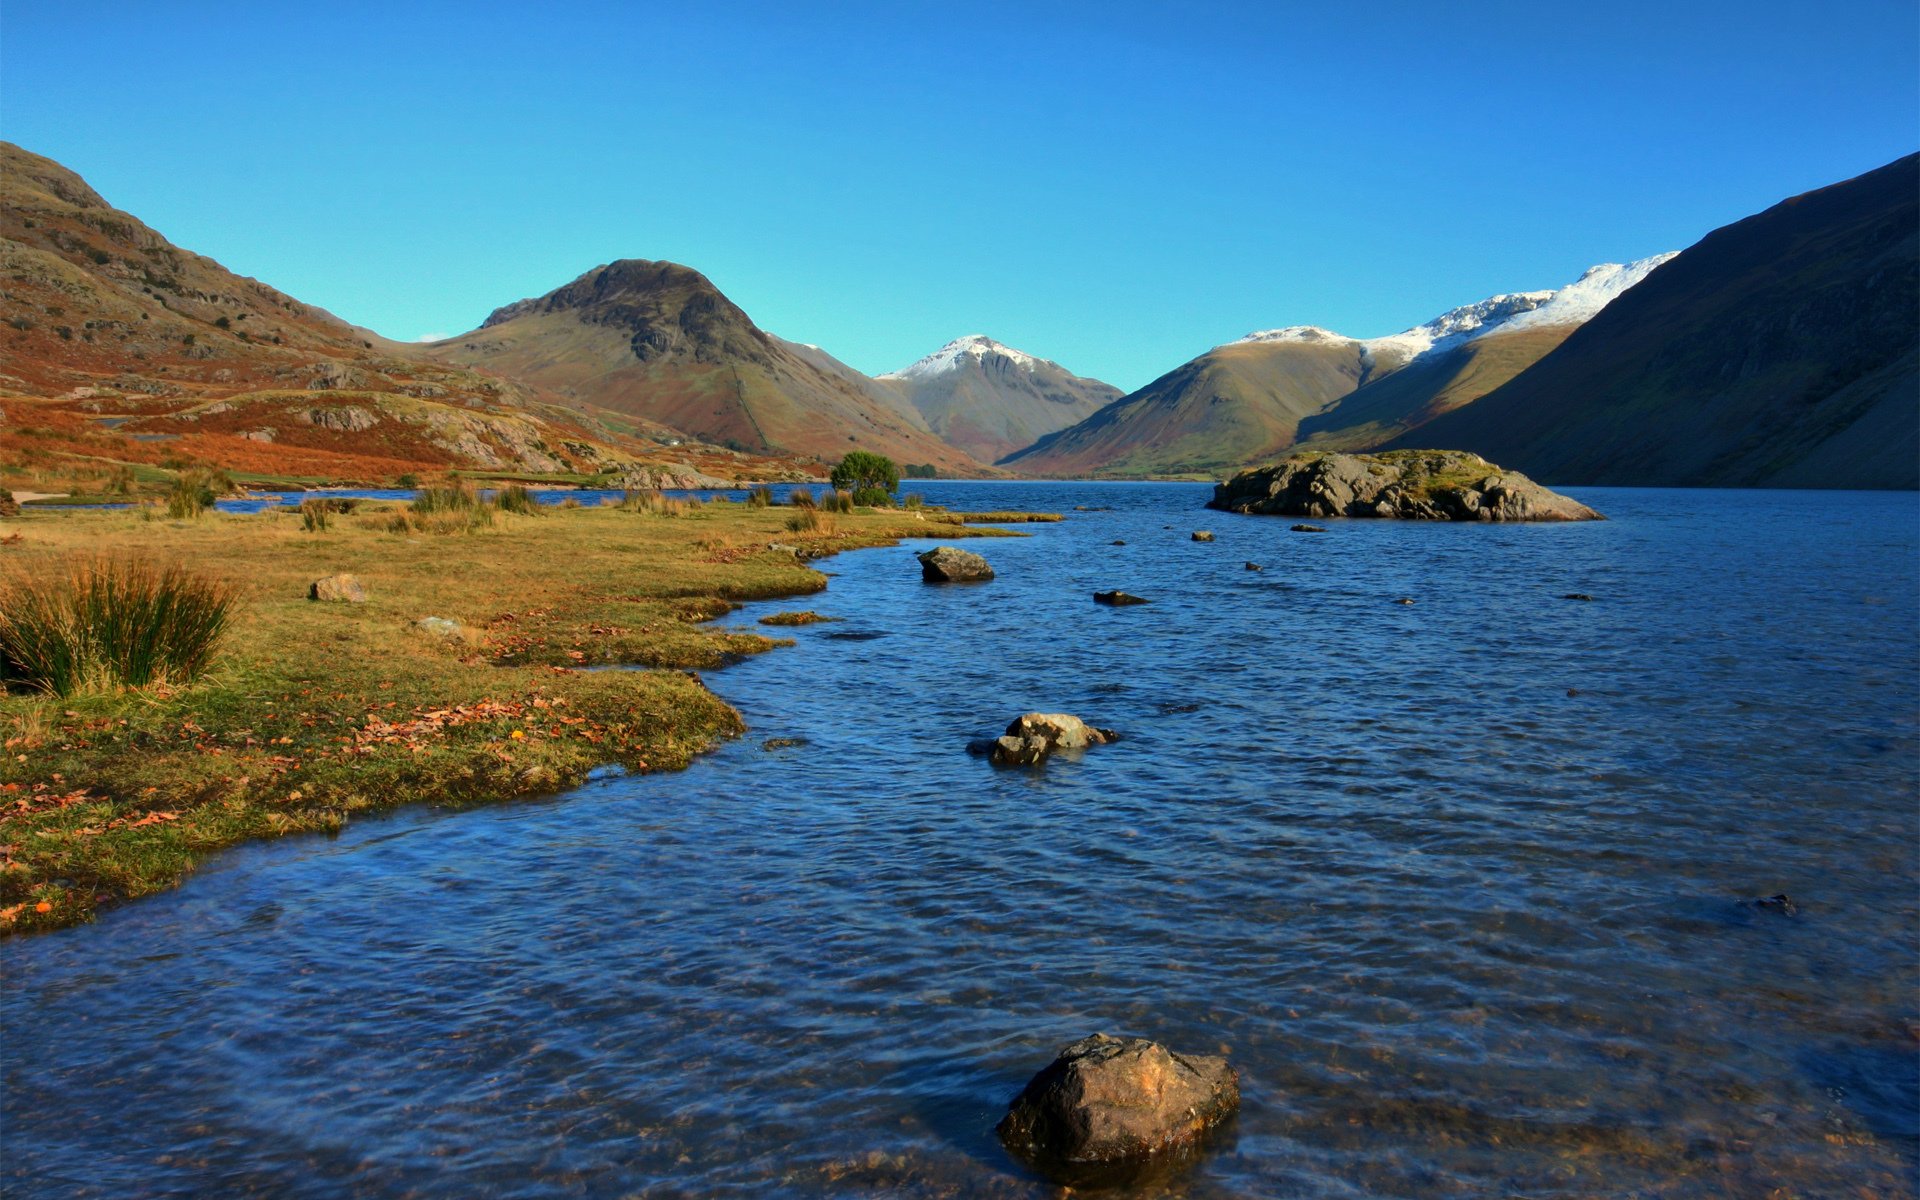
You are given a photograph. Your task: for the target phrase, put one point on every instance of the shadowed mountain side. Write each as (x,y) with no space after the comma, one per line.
(1778,351)
(659,341)
(1233,404)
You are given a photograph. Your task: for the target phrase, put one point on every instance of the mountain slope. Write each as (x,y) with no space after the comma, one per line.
(991,400)
(659,341)
(1247,401)
(1778,351)
(121,348)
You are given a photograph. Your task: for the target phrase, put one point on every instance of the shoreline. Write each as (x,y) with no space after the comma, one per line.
(315,711)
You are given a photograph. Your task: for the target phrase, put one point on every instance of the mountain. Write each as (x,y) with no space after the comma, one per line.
(1250,400)
(659,341)
(1778,351)
(991,400)
(121,349)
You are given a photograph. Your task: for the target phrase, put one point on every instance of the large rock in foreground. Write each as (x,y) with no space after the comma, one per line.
(944,564)
(1421,485)
(1108,1101)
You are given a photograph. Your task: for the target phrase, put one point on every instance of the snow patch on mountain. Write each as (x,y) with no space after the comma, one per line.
(1574,304)
(954,355)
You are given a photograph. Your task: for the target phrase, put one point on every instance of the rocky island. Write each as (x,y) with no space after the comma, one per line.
(1419,485)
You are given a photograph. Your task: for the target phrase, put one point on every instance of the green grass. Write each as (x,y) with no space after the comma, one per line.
(805,617)
(314,712)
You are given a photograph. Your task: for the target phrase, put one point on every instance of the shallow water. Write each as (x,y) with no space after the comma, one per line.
(1463,888)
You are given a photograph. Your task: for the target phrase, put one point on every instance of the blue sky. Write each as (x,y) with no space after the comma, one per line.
(1116,186)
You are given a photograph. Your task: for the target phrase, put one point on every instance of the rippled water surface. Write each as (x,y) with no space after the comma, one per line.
(1463,887)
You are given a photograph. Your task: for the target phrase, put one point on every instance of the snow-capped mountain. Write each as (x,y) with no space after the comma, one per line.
(989,399)
(1571,305)
(957,354)
(1304,385)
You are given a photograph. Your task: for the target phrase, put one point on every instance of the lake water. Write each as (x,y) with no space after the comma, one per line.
(1464,888)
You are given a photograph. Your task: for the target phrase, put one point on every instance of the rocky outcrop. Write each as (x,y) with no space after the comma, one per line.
(640,479)
(1109,1100)
(944,564)
(343,419)
(341,588)
(1423,485)
(1032,739)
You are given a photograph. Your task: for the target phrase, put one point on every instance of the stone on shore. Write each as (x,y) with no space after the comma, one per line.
(1421,485)
(945,564)
(1110,1100)
(1032,739)
(342,588)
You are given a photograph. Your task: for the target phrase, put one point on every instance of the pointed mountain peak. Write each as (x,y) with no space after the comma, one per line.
(610,291)
(959,352)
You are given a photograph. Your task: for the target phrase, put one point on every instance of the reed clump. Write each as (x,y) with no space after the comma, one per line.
(801,497)
(515,498)
(837,501)
(453,496)
(107,622)
(811,520)
(760,497)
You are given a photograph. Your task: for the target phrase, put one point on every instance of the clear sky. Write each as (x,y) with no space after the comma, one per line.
(1117,186)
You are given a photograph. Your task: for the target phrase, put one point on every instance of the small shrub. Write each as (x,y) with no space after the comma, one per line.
(873,497)
(864,469)
(515,498)
(454,496)
(315,515)
(111,621)
(408,480)
(760,497)
(190,494)
(399,523)
(810,520)
(120,482)
(801,497)
(837,501)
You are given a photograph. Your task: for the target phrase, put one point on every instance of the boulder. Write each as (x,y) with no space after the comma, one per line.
(1421,485)
(1253,566)
(1110,1100)
(944,564)
(1202,535)
(1119,599)
(342,588)
(445,627)
(1031,739)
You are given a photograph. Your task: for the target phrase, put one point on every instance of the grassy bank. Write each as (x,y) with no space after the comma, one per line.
(314,711)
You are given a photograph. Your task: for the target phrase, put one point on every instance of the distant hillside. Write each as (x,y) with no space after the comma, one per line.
(122,349)
(1778,351)
(1251,400)
(991,400)
(659,341)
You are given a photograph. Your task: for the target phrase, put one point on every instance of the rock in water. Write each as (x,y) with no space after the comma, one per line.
(1033,738)
(342,587)
(1119,599)
(944,564)
(1309,529)
(1111,1100)
(1202,535)
(1424,485)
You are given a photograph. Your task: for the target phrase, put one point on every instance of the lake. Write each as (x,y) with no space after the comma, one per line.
(1466,888)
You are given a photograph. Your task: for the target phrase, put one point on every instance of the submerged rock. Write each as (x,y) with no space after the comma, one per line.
(342,588)
(1425,485)
(1576,596)
(1119,599)
(944,564)
(1109,1100)
(1032,738)
(1253,566)
(1309,529)
(1780,903)
(1202,535)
